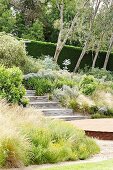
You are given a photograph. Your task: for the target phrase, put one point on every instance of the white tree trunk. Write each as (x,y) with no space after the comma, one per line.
(57,53)
(108,52)
(96,55)
(97,5)
(81,56)
(59,42)
(62,41)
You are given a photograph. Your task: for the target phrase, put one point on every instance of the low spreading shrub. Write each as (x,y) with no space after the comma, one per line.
(34,139)
(101,74)
(45,81)
(72,98)
(49,63)
(41,85)
(11,86)
(82,93)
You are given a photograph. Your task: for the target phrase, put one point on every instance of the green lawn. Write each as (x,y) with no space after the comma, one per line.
(105,165)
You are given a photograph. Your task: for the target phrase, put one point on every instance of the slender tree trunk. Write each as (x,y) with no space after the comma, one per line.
(62,41)
(59,42)
(96,55)
(88,38)
(108,52)
(97,50)
(57,53)
(81,56)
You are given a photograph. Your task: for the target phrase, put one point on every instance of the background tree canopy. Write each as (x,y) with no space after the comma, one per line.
(34,19)
(42,20)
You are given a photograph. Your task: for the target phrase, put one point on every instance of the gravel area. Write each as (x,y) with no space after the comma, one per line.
(105,154)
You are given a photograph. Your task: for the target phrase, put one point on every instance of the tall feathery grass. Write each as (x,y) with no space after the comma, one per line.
(27,137)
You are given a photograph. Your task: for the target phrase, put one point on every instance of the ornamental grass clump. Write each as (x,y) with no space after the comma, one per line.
(27,137)
(14,147)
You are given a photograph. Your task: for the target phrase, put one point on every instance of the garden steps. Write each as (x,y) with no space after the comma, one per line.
(43,104)
(52,109)
(56,112)
(30,92)
(69,118)
(38,99)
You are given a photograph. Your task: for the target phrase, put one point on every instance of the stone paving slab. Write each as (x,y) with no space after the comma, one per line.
(100,125)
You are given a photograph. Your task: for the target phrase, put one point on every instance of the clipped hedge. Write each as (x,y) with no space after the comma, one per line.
(38,48)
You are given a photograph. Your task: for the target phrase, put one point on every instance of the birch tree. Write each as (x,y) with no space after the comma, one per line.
(66,32)
(100,33)
(108,52)
(110,16)
(98,44)
(95,9)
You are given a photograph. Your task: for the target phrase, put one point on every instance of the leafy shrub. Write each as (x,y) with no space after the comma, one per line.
(13,53)
(41,85)
(32,65)
(44,86)
(11,86)
(63,81)
(24,101)
(49,63)
(72,98)
(100,74)
(67,96)
(103,112)
(88,85)
(45,81)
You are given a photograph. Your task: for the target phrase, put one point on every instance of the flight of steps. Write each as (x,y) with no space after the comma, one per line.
(52,109)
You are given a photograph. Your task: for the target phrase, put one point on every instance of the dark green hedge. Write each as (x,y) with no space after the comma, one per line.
(37,48)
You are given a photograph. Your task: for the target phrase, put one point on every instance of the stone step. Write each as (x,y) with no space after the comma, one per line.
(30,92)
(38,98)
(52,109)
(57,112)
(69,118)
(45,105)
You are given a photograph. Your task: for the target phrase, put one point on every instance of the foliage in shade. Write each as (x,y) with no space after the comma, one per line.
(38,48)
